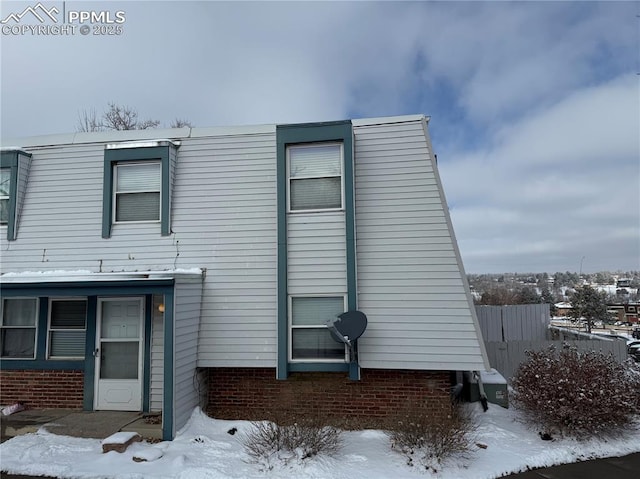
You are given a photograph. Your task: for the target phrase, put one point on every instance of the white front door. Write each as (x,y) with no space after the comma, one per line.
(119,352)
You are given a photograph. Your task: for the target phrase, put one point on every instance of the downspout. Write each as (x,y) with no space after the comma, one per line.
(483,397)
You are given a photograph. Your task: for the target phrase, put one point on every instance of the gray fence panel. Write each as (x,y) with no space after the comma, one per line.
(490,319)
(506,357)
(521,322)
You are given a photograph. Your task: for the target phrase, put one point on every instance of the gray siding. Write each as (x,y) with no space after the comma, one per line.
(316,253)
(223,220)
(187,302)
(411,283)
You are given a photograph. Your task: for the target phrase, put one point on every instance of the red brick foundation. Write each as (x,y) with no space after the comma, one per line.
(255,393)
(42,389)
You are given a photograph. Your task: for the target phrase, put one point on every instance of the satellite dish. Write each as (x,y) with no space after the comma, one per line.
(348,327)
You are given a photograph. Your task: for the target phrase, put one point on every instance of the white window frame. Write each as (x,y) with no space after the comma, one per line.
(50,329)
(7,198)
(125,164)
(313,326)
(35,327)
(311,177)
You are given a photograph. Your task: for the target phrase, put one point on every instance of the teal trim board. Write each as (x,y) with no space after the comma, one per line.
(121,155)
(146,361)
(89,358)
(286,135)
(168,413)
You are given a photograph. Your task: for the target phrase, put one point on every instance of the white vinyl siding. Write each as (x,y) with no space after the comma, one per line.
(316,253)
(223,220)
(18,328)
(137,191)
(410,279)
(67,328)
(187,303)
(157,355)
(315,176)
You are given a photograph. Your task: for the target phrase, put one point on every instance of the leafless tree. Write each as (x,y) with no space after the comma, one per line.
(119,117)
(116,117)
(88,121)
(179,123)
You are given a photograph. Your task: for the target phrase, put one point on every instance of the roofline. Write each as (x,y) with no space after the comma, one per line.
(172,134)
(31,277)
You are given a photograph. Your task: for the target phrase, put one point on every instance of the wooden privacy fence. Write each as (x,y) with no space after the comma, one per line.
(507,356)
(527,322)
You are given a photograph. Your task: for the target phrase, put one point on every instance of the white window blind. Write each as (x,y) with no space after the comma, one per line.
(315,161)
(315,176)
(138,192)
(67,328)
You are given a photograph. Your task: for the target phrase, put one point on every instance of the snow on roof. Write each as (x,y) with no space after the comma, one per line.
(56,276)
(141,144)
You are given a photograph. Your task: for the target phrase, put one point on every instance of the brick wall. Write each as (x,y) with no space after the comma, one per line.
(255,393)
(42,389)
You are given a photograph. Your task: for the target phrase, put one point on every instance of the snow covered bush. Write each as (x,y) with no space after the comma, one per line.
(301,439)
(576,394)
(429,440)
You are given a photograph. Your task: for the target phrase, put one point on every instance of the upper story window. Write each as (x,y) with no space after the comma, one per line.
(18,328)
(5,190)
(138,180)
(315,176)
(137,191)
(14,171)
(67,328)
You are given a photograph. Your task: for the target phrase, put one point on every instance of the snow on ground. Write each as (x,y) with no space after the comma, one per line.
(204,449)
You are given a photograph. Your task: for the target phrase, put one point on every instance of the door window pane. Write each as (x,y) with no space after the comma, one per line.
(119,360)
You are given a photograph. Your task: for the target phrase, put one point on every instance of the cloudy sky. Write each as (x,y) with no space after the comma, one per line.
(535,107)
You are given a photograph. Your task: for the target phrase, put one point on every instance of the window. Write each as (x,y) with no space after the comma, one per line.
(137,192)
(18,329)
(310,337)
(315,176)
(67,328)
(137,184)
(5,188)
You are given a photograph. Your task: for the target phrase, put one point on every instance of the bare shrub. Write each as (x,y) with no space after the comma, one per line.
(430,440)
(576,394)
(302,439)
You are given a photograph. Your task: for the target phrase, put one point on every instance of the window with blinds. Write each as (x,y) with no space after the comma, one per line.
(18,328)
(137,191)
(67,328)
(5,188)
(310,337)
(315,176)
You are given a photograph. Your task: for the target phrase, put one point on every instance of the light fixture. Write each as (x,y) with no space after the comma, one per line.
(161,307)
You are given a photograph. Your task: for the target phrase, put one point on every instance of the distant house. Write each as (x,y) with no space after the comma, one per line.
(159,270)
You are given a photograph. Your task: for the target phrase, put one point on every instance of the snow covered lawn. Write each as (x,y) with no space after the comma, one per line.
(204,449)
